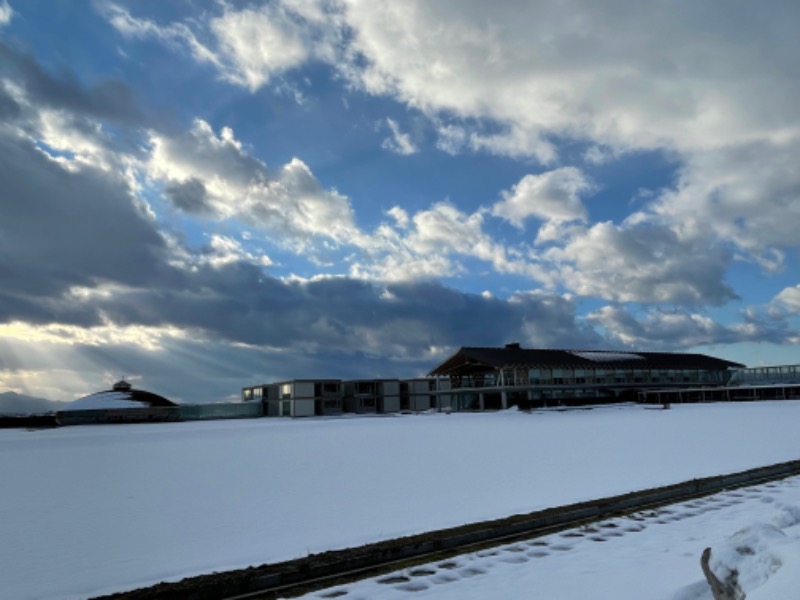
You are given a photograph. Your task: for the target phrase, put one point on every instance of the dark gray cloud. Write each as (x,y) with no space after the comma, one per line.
(108,100)
(10,110)
(61,229)
(334,328)
(190,196)
(676,330)
(239,303)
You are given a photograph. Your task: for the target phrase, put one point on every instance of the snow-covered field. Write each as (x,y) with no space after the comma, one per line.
(90,510)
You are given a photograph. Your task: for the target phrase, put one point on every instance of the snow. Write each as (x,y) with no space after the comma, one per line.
(109,508)
(105,400)
(652,554)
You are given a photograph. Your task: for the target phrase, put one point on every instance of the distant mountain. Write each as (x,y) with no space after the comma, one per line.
(12,403)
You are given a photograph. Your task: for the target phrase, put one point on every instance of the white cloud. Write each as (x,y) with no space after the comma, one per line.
(600,155)
(399,142)
(399,215)
(638,263)
(789,298)
(72,140)
(223,250)
(143,337)
(257,43)
(716,93)
(451,138)
(288,202)
(5,12)
(248,46)
(176,35)
(554,195)
(748,195)
(628,75)
(434,243)
(516,142)
(657,328)
(443,228)
(76,145)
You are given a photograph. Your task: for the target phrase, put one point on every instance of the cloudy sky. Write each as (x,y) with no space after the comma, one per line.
(200,195)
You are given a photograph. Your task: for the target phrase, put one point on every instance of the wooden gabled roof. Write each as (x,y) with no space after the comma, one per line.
(481,360)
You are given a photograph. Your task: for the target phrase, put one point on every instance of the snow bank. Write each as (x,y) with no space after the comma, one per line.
(763,558)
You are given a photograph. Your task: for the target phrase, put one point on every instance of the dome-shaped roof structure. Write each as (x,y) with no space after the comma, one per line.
(121,395)
(122,386)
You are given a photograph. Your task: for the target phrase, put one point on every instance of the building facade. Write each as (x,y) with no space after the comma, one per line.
(497,378)
(745,385)
(298,397)
(372,396)
(320,397)
(425,393)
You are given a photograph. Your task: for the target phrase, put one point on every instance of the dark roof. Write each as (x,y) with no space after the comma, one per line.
(122,386)
(481,360)
(118,398)
(150,398)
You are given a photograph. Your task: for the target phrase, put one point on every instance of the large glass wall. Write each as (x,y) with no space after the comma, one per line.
(561,376)
(763,375)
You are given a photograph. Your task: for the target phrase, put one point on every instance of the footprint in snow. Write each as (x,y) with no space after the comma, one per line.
(515,560)
(471,572)
(561,547)
(391,579)
(538,543)
(414,586)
